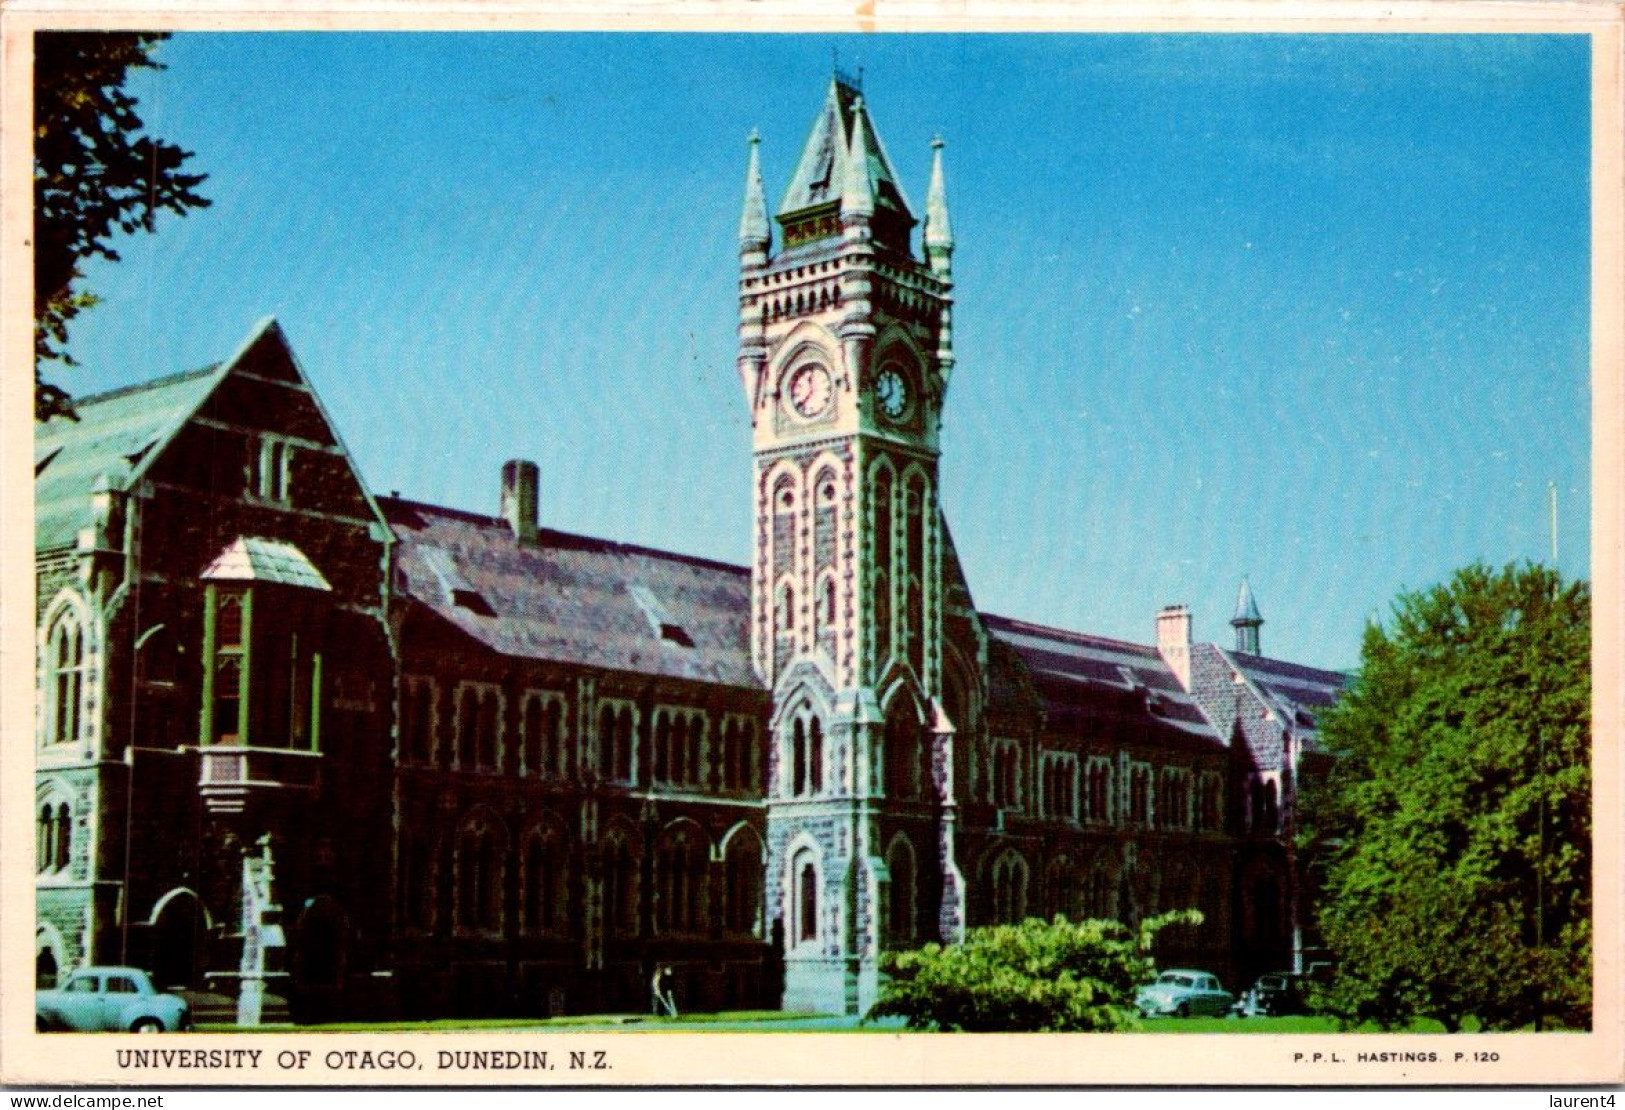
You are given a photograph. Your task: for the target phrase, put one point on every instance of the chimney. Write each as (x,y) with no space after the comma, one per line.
(1174,641)
(519,481)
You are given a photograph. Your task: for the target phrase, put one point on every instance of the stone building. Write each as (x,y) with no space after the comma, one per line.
(505,769)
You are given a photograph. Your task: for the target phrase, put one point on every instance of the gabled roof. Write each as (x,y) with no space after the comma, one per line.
(573,599)
(121,433)
(821,173)
(1084,679)
(115,435)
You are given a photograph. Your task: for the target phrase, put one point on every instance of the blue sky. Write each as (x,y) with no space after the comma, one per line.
(1308,308)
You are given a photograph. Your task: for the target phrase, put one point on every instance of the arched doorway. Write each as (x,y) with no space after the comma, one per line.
(180,929)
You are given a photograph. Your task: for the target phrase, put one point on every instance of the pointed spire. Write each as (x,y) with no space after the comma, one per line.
(1247,620)
(754,231)
(938,231)
(857,195)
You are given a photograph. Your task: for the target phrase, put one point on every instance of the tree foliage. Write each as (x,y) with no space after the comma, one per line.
(96,174)
(1456,822)
(1038,976)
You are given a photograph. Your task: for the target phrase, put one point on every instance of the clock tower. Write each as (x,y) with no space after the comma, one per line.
(845,355)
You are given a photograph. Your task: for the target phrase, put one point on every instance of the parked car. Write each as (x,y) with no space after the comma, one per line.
(1273,995)
(1183,992)
(118,999)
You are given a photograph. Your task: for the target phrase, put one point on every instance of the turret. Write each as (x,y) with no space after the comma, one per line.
(1246,622)
(755,240)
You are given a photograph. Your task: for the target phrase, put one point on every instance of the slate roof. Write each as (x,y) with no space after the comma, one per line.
(573,599)
(1296,694)
(1083,679)
(821,171)
(115,433)
(254,559)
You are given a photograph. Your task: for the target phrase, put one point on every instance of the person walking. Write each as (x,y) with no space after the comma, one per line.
(662,1001)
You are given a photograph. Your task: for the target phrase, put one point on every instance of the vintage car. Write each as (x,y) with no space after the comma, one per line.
(1183,992)
(118,999)
(1273,995)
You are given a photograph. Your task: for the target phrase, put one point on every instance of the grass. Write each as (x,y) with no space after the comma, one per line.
(507,1025)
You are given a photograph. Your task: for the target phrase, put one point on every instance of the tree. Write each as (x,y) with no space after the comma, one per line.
(1456,818)
(1056,976)
(95,173)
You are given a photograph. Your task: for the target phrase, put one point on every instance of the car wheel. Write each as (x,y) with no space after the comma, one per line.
(147,1025)
(1184,1010)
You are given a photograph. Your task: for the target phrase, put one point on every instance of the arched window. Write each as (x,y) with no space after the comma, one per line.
(468,724)
(901,768)
(530,736)
(620,888)
(1009,888)
(806,900)
(1272,810)
(489,730)
(418,725)
(798,757)
(64,678)
(53,837)
(553,762)
(479,879)
(1062,888)
(815,757)
(680,881)
(547,885)
(743,893)
(901,912)
(785,615)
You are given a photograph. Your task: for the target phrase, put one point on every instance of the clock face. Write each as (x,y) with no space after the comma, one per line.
(810,389)
(891,390)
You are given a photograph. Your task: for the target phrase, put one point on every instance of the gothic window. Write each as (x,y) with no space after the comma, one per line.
(1062,889)
(806,755)
(1009,888)
(1006,776)
(1272,811)
(824,609)
(468,725)
(902,752)
(620,892)
(1099,794)
(882,563)
(804,898)
(1101,894)
(901,910)
(784,527)
(914,563)
(417,883)
(738,763)
(1211,801)
(547,882)
(615,743)
(1060,785)
(53,849)
(680,878)
(743,874)
(417,720)
(64,678)
(1173,798)
(784,610)
(479,879)
(490,724)
(824,519)
(1140,794)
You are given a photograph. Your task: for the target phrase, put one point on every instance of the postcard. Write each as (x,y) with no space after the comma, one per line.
(904,545)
